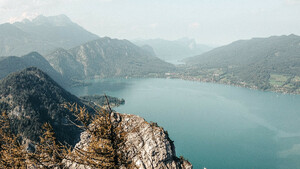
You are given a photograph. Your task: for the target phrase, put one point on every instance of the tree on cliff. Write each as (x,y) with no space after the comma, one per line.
(49,152)
(12,152)
(102,151)
(105,141)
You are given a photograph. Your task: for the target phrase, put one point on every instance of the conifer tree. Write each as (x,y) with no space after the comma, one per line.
(103,150)
(12,153)
(49,152)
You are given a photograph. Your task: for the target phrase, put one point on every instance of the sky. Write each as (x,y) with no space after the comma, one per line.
(211,22)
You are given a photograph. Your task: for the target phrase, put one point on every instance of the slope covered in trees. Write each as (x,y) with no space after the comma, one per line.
(31,98)
(106,57)
(265,63)
(12,64)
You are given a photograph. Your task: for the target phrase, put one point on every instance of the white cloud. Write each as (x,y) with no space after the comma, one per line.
(25,15)
(194,25)
(16,10)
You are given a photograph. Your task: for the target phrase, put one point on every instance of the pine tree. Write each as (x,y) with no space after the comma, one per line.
(49,152)
(12,152)
(103,150)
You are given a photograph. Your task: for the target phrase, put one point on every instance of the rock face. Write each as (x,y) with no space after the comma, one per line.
(147,145)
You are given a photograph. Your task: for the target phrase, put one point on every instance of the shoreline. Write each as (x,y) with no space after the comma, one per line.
(195,79)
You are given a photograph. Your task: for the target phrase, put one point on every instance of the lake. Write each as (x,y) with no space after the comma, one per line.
(214,126)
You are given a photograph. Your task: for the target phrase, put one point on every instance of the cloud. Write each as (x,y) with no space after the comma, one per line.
(194,25)
(153,25)
(25,15)
(16,10)
(12,10)
(292,2)
(24,4)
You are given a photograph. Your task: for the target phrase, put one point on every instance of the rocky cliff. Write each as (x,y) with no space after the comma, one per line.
(32,98)
(147,145)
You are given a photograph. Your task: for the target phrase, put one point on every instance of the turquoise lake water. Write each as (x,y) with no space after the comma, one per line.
(214,126)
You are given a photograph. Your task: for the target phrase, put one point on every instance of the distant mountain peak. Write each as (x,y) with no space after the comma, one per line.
(58,20)
(42,34)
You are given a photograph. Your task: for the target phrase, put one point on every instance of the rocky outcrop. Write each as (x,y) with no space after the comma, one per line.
(147,145)
(32,98)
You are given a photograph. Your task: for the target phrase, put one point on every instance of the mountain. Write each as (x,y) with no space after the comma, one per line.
(42,34)
(174,50)
(265,63)
(32,98)
(13,64)
(106,57)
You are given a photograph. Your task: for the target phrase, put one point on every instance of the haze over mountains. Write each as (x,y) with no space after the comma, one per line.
(106,57)
(174,50)
(74,52)
(12,64)
(42,34)
(266,63)
(262,63)
(63,53)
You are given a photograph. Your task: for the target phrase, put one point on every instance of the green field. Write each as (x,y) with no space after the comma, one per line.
(278,80)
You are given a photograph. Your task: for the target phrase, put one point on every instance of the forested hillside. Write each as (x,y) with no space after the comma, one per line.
(106,57)
(265,63)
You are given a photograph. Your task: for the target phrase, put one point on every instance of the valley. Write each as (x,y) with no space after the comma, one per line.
(232,106)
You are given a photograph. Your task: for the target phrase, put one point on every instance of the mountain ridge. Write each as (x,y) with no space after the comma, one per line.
(271,63)
(106,57)
(31,98)
(42,34)
(12,64)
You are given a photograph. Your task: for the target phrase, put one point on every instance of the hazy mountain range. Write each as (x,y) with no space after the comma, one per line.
(73,52)
(76,54)
(174,50)
(266,63)
(42,34)
(106,57)
(12,64)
